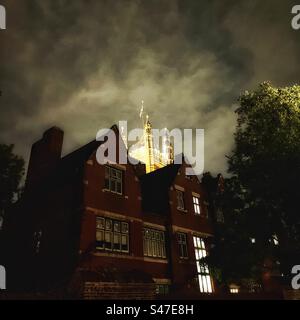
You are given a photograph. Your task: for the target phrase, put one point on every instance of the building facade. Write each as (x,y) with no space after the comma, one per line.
(108,231)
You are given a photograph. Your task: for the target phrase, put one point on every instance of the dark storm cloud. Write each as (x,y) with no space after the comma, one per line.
(84,65)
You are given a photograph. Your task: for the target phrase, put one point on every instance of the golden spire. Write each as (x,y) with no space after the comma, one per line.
(124,137)
(146,149)
(142,111)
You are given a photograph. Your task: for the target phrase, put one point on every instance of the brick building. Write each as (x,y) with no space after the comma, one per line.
(107,231)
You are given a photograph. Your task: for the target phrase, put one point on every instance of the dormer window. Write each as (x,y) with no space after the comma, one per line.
(113,179)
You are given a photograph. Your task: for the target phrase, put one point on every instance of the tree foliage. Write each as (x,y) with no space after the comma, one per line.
(11,172)
(261,197)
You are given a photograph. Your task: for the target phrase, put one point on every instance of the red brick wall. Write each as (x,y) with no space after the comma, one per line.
(184,270)
(127,207)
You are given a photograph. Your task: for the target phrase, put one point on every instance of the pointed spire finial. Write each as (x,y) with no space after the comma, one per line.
(142,109)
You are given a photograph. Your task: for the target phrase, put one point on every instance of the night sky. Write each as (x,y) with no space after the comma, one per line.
(84,65)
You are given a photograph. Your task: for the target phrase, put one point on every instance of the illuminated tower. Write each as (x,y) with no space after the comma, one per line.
(147,152)
(167,155)
(149,149)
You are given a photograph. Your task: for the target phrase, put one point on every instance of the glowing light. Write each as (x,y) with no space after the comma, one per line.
(146,152)
(234,290)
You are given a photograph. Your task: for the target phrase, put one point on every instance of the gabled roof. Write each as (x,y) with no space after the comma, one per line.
(67,167)
(78,157)
(155,188)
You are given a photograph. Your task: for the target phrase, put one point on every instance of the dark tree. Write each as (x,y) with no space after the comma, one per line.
(11,173)
(261,199)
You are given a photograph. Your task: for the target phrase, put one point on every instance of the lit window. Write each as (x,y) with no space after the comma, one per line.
(154,243)
(180,200)
(275,240)
(196,205)
(252,240)
(204,279)
(234,290)
(183,248)
(113,179)
(112,235)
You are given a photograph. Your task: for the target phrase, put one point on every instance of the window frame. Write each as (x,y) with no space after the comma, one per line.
(196,205)
(154,243)
(162,289)
(203,275)
(113,175)
(106,228)
(183,245)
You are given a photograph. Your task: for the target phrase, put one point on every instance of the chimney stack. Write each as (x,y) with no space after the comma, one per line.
(45,154)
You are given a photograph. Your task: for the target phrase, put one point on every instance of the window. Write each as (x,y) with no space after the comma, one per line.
(154,243)
(234,290)
(162,289)
(204,279)
(113,179)
(196,205)
(183,248)
(275,239)
(180,200)
(112,235)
